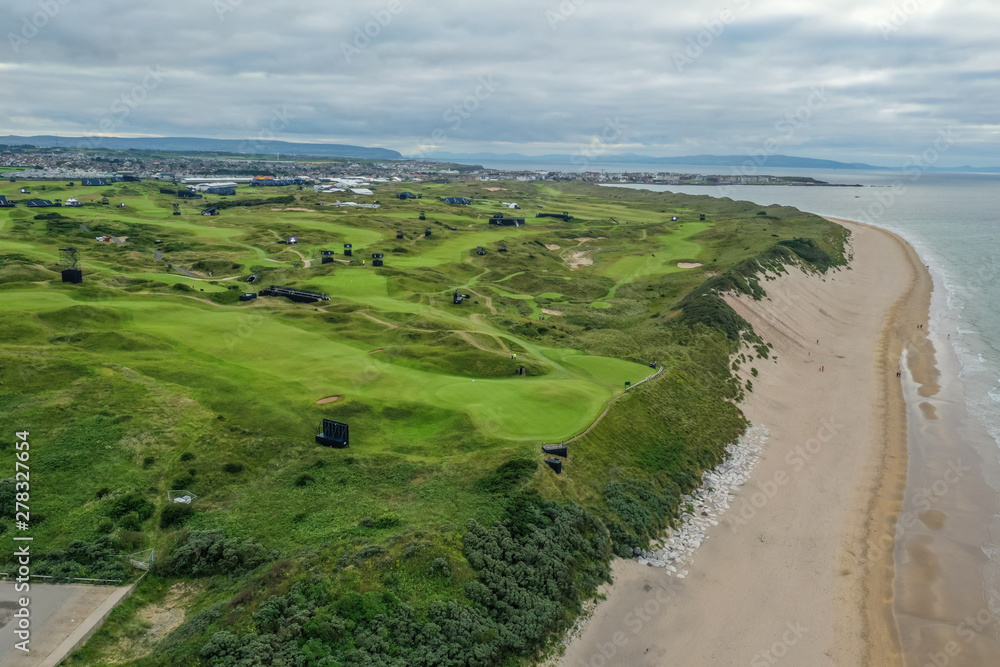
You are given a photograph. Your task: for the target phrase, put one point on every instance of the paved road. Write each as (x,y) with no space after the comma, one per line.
(57,610)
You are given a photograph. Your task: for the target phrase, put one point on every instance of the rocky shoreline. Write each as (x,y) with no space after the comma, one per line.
(705,506)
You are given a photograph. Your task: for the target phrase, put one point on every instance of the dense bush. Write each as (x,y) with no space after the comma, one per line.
(207,552)
(97,560)
(129,503)
(807,250)
(532,567)
(175,514)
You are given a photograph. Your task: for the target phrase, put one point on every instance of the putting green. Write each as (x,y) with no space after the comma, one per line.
(664,251)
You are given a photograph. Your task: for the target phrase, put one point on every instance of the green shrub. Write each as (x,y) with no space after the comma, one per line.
(807,250)
(439,567)
(233,468)
(182,483)
(387,520)
(130,503)
(207,552)
(175,514)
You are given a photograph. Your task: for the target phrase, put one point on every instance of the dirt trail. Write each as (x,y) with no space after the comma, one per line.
(486,299)
(305,262)
(469,338)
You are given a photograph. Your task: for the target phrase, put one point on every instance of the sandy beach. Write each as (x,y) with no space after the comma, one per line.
(796,572)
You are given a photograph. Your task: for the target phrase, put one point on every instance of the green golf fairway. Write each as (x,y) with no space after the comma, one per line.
(552,407)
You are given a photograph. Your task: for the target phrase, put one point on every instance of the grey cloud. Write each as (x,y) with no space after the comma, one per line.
(360,73)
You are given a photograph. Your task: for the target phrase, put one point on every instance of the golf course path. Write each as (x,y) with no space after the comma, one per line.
(382,322)
(487,299)
(305,262)
(468,338)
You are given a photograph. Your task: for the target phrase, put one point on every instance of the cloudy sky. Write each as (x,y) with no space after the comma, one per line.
(854,80)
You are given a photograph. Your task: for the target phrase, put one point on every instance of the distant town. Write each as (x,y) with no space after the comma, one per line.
(32,163)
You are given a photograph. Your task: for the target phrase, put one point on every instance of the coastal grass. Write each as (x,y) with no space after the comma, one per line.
(146,379)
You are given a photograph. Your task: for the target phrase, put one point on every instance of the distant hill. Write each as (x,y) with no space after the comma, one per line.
(775,161)
(783,161)
(201,144)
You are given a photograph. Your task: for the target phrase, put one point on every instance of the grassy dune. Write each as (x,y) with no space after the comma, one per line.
(147,378)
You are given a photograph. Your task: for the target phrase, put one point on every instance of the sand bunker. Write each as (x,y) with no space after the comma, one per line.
(584,239)
(378,350)
(578,259)
(496,189)
(688,265)
(328,399)
(553,246)
(304,210)
(549,311)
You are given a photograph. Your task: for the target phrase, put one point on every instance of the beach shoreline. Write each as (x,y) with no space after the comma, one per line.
(796,566)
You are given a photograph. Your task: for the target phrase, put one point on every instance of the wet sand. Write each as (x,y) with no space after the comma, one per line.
(792,572)
(949,509)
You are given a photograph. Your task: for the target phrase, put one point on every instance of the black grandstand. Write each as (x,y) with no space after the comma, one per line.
(335,434)
(462,201)
(500,220)
(296,295)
